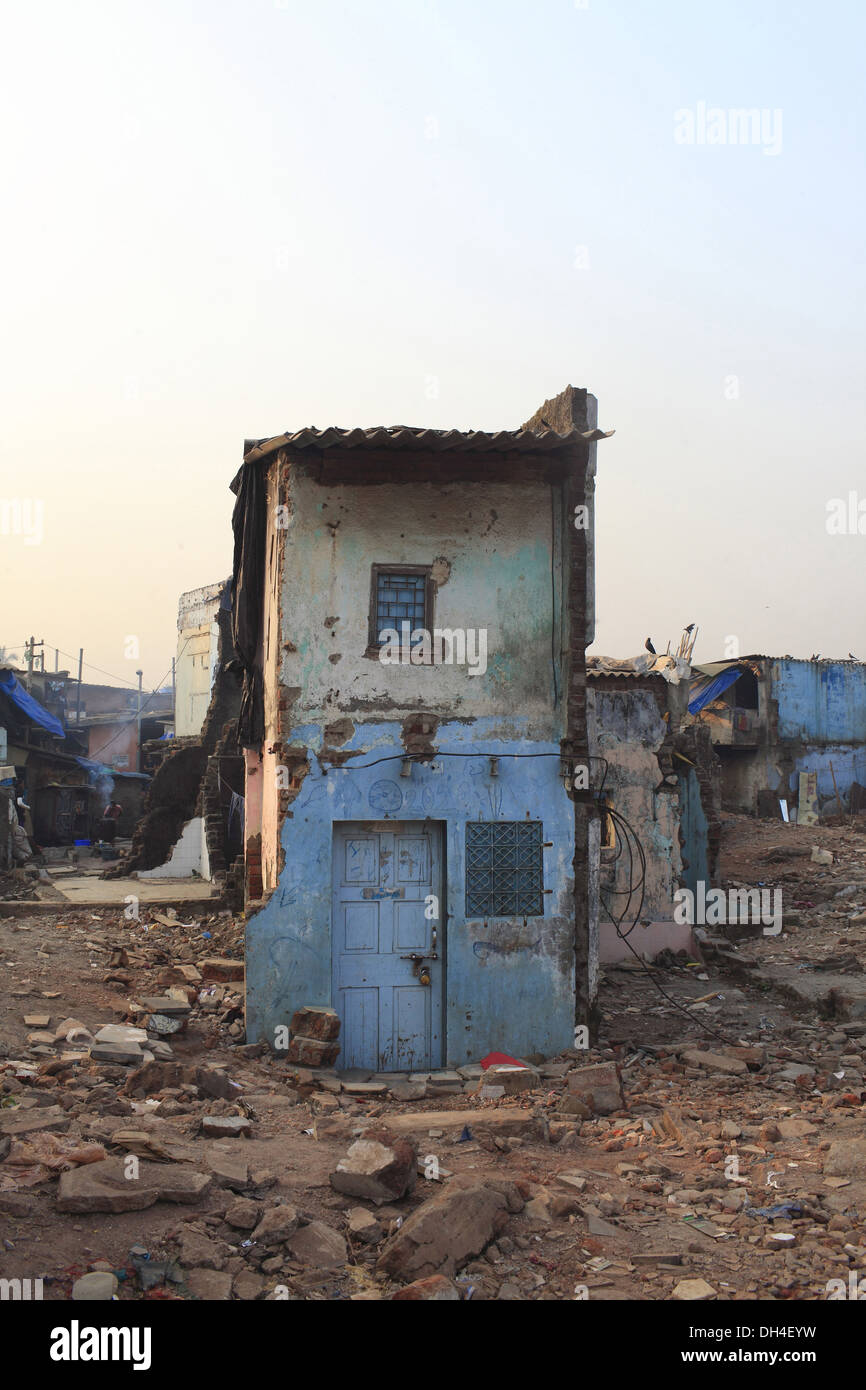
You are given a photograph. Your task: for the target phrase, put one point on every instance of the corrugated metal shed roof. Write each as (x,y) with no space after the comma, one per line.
(410,437)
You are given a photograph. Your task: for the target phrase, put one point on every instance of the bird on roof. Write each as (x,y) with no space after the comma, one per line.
(816,657)
(649,646)
(852,657)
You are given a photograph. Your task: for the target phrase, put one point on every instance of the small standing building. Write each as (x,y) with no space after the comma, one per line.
(411,609)
(775,718)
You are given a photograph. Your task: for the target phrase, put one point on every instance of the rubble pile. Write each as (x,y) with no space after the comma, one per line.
(710,1148)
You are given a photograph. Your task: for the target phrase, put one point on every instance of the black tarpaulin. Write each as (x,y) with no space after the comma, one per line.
(249,520)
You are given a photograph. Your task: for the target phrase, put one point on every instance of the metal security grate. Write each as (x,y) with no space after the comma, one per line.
(400,598)
(504,872)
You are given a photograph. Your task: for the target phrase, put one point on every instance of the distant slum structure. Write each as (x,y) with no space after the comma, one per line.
(197,659)
(193,814)
(49,767)
(422,846)
(776,720)
(660,800)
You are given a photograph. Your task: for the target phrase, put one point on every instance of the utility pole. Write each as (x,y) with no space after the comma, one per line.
(30,648)
(78,701)
(138,720)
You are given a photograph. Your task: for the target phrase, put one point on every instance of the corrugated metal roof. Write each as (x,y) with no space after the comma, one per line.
(801,660)
(410,437)
(598,673)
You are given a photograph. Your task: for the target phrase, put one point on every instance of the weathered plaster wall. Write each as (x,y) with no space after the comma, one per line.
(509,986)
(496,540)
(627,729)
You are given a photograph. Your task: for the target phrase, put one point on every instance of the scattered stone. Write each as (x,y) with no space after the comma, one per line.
(225,1126)
(362,1225)
(277,1225)
(846,1158)
(693,1290)
(378,1167)
(198,1250)
(714,1061)
(243,1214)
(228,1171)
(796,1129)
(435,1289)
(210,1285)
(221,970)
(312,1052)
(104,1186)
(20,1121)
(165,1005)
(248,1285)
(318,1245)
(408,1091)
(599,1087)
(316,1022)
(123,1054)
(94,1287)
(120,1033)
(512,1079)
(446,1231)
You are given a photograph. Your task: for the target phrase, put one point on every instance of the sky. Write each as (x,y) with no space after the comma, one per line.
(222,219)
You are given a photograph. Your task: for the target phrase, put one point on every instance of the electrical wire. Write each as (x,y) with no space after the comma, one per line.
(134,720)
(616,816)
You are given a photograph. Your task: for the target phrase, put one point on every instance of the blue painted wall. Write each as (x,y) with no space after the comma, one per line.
(507,987)
(820,702)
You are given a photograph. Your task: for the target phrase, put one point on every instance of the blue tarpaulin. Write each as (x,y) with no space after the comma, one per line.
(15,691)
(705,693)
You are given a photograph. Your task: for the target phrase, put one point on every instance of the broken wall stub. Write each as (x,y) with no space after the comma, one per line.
(338,723)
(177,791)
(629,732)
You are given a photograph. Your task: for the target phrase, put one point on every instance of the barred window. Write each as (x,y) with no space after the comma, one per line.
(504,869)
(400,594)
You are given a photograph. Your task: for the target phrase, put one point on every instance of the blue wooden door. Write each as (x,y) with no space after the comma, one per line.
(386,905)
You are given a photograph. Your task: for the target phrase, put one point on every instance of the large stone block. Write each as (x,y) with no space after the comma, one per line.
(315,1022)
(378,1167)
(599,1087)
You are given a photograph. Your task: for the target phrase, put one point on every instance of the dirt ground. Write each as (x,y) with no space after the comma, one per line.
(737,1156)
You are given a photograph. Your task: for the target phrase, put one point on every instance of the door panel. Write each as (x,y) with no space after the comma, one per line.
(382,878)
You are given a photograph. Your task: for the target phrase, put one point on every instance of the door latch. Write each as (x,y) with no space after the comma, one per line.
(419,969)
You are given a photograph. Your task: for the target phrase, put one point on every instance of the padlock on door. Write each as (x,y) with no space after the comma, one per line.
(424,975)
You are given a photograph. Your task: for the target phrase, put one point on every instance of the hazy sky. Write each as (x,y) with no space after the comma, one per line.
(225,219)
